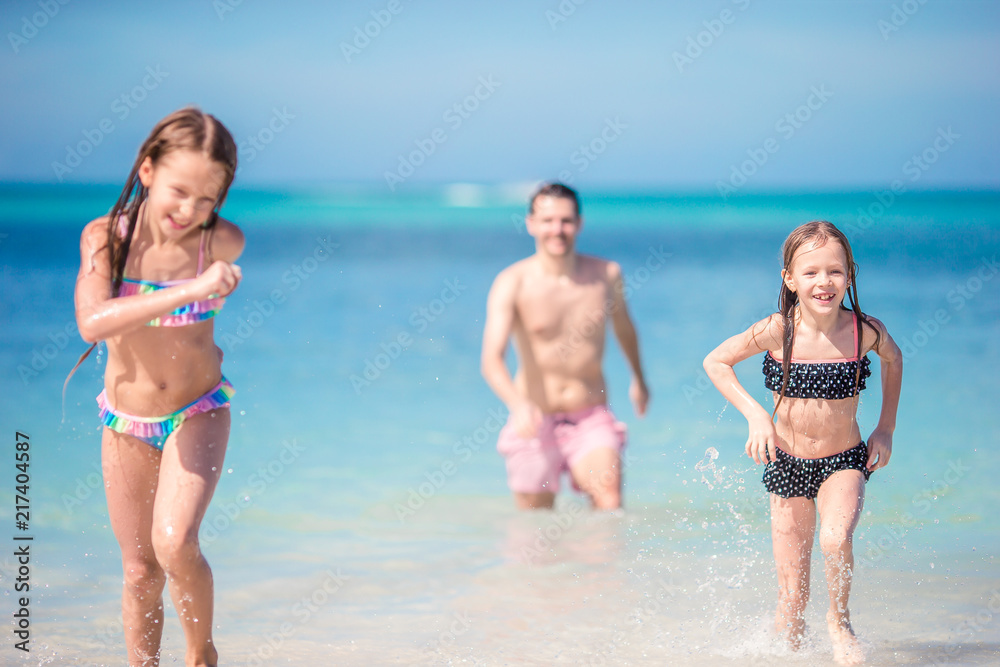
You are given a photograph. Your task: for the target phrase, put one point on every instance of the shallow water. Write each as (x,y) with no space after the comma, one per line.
(370,523)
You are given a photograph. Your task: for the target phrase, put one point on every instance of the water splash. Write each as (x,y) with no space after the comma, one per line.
(707,465)
(718,420)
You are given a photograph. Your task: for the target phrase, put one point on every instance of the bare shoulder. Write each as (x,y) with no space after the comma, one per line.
(227,241)
(94,264)
(768,333)
(511,277)
(761,336)
(93,242)
(95,231)
(873,332)
(607,269)
(612,270)
(504,291)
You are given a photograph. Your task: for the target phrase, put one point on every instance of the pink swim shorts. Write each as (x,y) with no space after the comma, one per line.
(534,465)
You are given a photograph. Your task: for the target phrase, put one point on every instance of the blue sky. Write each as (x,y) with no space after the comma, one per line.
(612,94)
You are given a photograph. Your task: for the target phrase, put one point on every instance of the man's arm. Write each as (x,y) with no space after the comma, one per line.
(627,339)
(500,314)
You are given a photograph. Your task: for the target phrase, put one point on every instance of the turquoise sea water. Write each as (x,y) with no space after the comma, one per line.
(364,519)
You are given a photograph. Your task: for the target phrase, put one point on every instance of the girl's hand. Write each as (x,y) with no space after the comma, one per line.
(219,280)
(879,449)
(526,417)
(762,443)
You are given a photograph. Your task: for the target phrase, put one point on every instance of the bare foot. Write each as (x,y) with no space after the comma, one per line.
(793,631)
(846,649)
(209,658)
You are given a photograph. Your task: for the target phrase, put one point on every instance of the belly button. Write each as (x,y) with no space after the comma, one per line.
(163,385)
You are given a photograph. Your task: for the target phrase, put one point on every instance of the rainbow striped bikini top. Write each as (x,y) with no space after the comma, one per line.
(196,311)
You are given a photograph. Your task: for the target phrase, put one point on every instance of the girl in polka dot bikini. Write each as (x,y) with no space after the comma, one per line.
(816,364)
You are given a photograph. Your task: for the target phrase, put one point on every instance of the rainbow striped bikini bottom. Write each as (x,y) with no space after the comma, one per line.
(154,431)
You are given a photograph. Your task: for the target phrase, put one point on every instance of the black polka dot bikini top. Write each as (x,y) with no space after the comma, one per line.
(829,379)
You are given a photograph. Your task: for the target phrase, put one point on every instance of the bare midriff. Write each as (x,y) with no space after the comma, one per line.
(154,371)
(813,428)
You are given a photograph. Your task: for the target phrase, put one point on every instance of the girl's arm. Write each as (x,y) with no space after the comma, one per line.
(99,316)
(764,335)
(880,441)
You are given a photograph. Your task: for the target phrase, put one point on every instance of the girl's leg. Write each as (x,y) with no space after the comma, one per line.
(189,471)
(840,500)
(793,525)
(130,469)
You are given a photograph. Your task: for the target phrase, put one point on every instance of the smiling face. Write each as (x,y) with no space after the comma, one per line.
(818,275)
(554,223)
(184,186)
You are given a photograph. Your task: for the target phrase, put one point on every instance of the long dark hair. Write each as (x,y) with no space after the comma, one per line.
(189,129)
(185,129)
(819,232)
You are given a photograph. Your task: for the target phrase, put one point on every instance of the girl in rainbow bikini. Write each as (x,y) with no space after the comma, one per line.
(816,459)
(152,275)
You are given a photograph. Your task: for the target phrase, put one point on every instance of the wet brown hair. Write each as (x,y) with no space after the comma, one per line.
(819,232)
(185,129)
